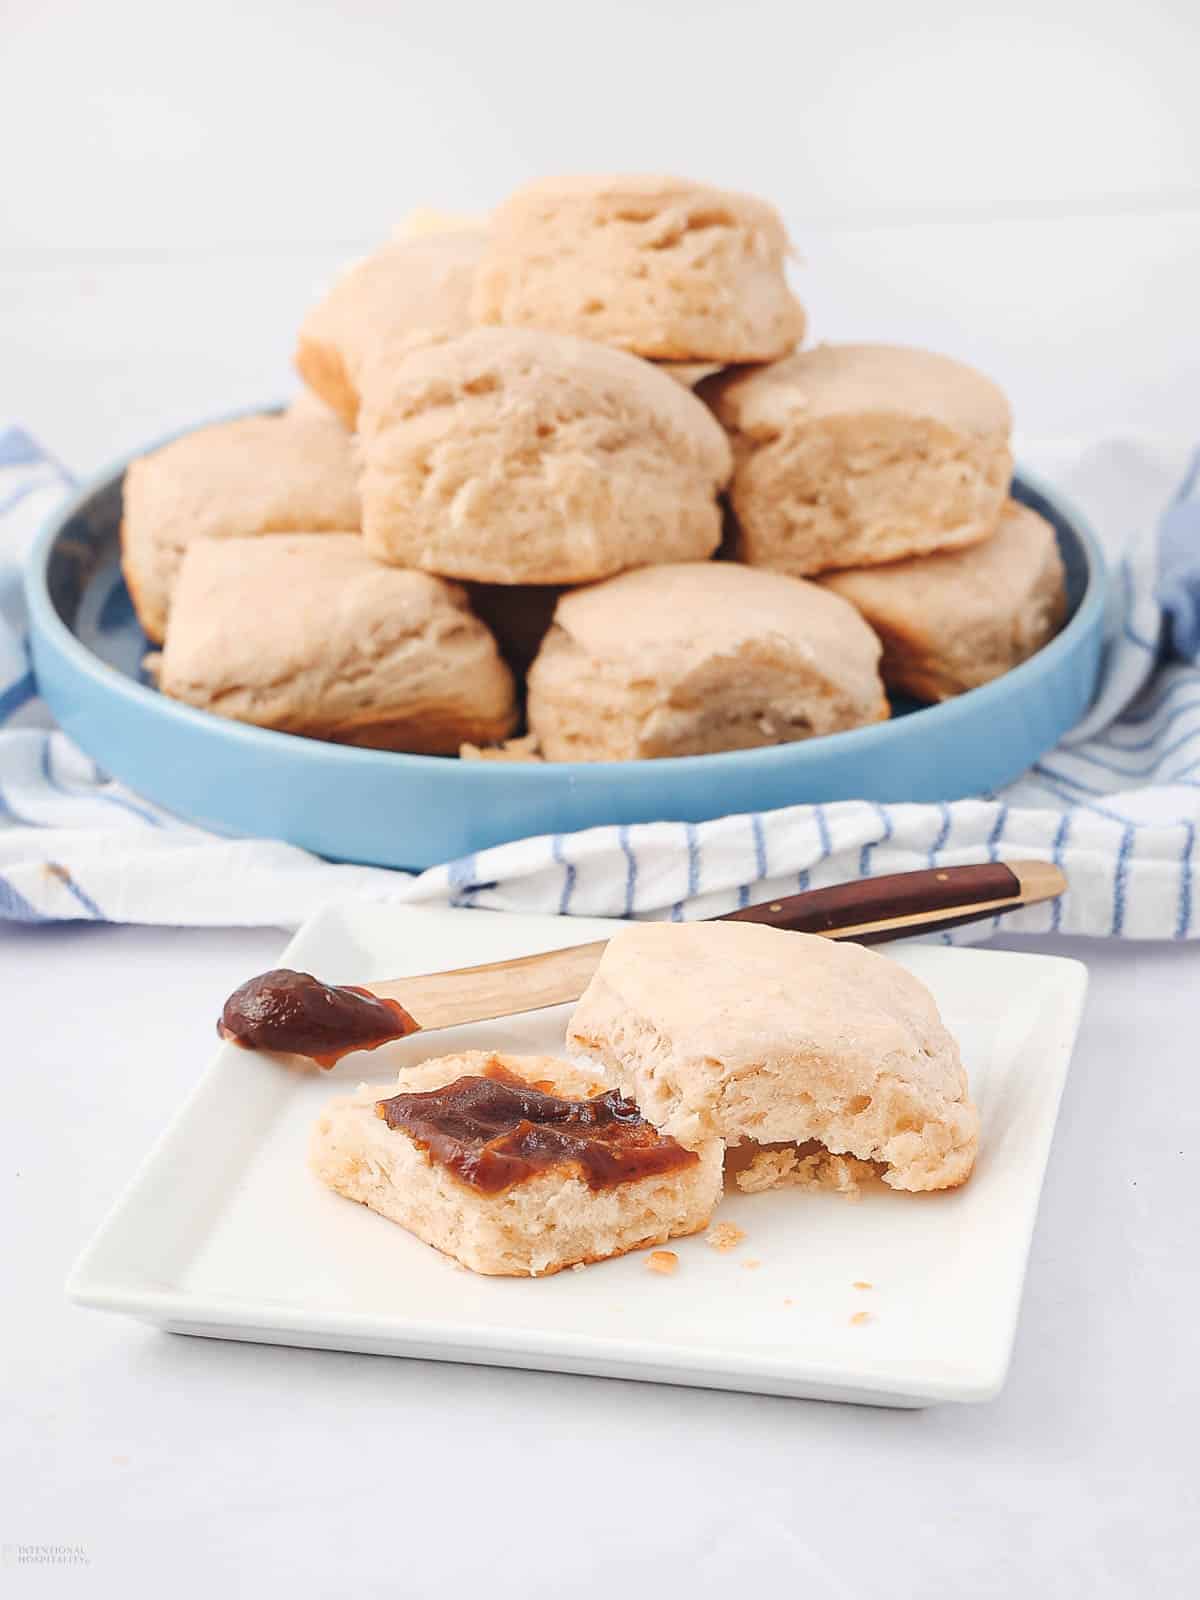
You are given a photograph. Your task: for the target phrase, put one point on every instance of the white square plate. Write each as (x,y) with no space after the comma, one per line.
(224,1232)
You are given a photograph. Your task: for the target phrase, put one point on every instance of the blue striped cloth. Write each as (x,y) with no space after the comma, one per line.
(1117,804)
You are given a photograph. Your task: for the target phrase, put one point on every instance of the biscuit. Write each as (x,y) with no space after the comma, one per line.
(660,266)
(232,480)
(953,621)
(748,1033)
(413,290)
(549,1220)
(690,659)
(521,749)
(851,455)
(515,456)
(305,634)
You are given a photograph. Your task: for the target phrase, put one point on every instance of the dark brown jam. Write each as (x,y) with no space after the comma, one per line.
(296,1014)
(496,1131)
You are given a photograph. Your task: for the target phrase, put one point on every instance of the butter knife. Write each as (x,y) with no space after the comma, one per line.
(294,1013)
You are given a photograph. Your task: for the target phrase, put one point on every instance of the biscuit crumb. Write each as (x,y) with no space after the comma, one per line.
(789,1302)
(766,1170)
(804,1168)
(664,1261)
(859,1318)
(524,748)
(724,1236)
(749,1266)
(861,1284)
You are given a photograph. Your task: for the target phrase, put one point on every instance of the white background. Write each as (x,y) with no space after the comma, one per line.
(1019,187)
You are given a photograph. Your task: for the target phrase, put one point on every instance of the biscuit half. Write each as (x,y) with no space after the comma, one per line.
(550,1220)
(768,1038)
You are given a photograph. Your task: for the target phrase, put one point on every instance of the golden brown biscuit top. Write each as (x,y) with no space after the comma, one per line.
(667,617)
(960,589)
(848,380)
(641,197)
(847,1013)
(523,370)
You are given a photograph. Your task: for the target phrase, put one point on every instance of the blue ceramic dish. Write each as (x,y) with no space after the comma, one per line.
(414,811)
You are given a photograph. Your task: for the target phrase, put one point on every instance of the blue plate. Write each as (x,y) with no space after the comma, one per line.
(414,811)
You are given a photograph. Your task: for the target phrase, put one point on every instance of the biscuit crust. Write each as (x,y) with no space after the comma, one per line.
(855,455)
(413,290)
(753,1034)
(952,621)
(697,658)
(255,476)
(305,634)
(537,1228)
(513,456)
(660,266)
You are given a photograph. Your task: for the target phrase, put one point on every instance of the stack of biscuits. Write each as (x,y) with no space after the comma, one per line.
(571,464)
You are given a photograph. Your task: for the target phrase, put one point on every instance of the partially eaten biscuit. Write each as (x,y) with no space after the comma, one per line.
(749,1034)
(696,658)
(660,266)
(517,1166)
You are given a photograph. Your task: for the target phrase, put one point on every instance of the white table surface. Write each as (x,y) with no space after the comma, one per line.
(217,1466)
(1022,191)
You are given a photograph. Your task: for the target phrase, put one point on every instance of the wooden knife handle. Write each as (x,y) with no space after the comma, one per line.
(872,910)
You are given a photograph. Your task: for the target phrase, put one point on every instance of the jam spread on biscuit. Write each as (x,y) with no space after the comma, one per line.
(297,1014)
(495,1131)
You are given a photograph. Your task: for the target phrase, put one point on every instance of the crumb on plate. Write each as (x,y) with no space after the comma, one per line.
(663,1261)
(804,1168)
(859,1318)
(860,1283)
(524,748)
(749,1266)
(724,1236)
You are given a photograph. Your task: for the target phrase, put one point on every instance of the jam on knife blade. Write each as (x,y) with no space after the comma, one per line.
(296,1014)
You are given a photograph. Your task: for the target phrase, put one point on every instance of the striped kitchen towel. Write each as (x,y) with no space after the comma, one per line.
(1117,804)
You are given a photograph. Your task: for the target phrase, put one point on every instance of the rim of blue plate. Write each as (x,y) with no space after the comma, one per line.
(46,620)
